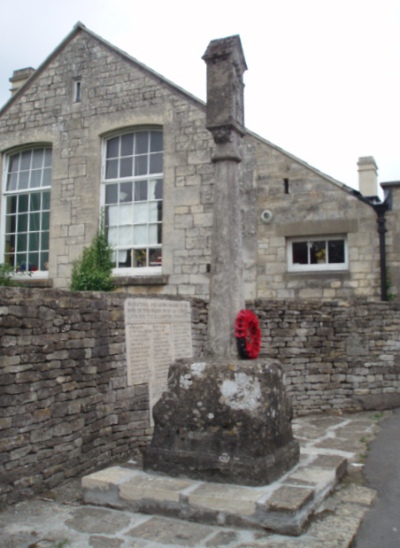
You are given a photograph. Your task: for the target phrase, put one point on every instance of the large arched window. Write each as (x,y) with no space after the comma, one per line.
(133,192)
(26,208)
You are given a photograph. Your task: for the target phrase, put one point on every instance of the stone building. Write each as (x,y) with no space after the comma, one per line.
(93,129)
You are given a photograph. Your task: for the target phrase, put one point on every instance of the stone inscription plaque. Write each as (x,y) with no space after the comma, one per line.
(157,333)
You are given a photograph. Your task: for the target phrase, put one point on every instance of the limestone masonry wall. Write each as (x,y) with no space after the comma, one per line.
(66,409)
(336,356)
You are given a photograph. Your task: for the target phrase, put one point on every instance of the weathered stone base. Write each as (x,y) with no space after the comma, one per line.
(210,467)
(224,422)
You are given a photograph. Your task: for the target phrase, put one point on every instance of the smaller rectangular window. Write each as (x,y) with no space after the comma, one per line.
(317,253)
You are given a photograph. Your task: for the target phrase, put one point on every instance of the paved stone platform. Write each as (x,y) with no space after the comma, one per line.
(59,518)
(284,506)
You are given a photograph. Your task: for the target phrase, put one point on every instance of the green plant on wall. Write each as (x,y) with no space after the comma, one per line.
(93,271)
(7,278)
(6,272)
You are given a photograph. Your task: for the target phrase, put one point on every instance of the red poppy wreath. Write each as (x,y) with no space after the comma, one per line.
(248,335)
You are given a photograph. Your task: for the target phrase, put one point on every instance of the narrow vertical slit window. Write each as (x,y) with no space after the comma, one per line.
(77,91)
(286,185)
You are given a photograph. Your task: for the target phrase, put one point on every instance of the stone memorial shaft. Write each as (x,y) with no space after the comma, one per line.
(224,419)
(225,119)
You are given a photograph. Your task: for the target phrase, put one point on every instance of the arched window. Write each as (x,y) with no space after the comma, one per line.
(133,193)
(26,208)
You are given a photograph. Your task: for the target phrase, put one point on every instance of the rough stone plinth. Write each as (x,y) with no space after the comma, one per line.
(223,421)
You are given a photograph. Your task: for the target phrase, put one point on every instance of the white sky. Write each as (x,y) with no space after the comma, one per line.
(323,79)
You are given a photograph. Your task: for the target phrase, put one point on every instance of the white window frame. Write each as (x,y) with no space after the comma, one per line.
(6,194)
(131,270)
(316,267)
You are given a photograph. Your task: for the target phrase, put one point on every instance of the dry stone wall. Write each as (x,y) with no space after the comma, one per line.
(336,356)
(65,407)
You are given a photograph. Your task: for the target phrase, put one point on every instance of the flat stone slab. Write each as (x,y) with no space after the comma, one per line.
(283,506)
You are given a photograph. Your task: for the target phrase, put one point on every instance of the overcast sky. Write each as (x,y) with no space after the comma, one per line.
(323,79)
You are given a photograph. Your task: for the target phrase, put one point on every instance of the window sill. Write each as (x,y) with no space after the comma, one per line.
(155,279)
(343,274)
(33,282)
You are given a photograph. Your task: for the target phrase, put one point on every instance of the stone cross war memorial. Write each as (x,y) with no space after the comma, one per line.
(223,419)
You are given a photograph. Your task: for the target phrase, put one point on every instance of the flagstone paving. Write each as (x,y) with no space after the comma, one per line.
(61,519)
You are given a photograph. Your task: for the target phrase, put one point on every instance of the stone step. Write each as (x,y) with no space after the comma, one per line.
(283,506)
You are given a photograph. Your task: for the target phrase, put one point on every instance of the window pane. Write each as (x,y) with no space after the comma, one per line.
(127,145)
(318,252)
(22,242)
(140,235)
(142,142)
(11,204)
(112,194)
(126,167)
(34,241)
(34,222)
(159,211)
(112,169)
(113,236)
(23,200)
(10,223)
(44,240)
(22,225)
(45,221)
(155,189)
(155,257)
(300,253)
(35,202)
(14,163)
(46,181)
(113,216)
(140,213)
(153,212)
(153,234)
(25,160)
(156,163)
(140,191)
(33,262)
(124,259)
(21,261)
(23,180)
(158,190)
(125,192)
(45,200)
(44,261)
(140,258)
(37,159)
(47,157)
(12,181)
(336,251)
(125,236)
(141,165)
(36,176)
(113,147)
(125,214)
(156,141)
